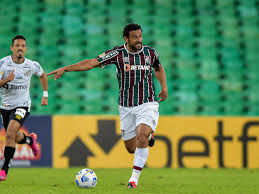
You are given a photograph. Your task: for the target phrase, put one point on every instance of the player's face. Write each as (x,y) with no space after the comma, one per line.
(135,40)
(19,48)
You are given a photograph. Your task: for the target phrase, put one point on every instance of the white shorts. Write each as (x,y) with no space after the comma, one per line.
(131,117)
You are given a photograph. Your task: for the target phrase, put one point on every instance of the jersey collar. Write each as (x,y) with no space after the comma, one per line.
(17,63)
(132,52)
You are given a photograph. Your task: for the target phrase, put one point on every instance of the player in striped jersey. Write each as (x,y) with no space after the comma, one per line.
(138,103)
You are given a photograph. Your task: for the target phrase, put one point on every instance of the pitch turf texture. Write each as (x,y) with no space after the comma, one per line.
(165,180)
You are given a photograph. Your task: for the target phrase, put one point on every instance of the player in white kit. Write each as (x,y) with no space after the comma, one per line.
(15,76)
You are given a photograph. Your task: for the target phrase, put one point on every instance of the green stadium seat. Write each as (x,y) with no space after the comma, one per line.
(209,92)
(210,59)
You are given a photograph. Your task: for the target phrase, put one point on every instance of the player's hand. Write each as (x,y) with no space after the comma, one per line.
(11,76)
(57,73)
(44,101)
(163,94)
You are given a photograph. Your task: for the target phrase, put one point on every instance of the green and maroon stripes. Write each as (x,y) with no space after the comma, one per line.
(135,79)
(136,92)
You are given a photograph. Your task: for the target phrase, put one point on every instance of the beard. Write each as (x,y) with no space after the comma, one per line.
(135,47)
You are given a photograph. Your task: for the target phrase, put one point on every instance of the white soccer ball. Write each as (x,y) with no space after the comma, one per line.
(86,178)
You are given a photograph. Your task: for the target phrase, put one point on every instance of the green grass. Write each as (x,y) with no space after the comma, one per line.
(48,180)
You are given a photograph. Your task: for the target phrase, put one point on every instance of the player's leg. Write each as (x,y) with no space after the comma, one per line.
(9,150)
(130,145)
(141,153)
(128,129)
(12,120)
(146,122)
(31,140)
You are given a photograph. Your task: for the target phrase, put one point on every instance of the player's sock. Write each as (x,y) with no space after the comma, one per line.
(140,158)
(26,140)
(8,155)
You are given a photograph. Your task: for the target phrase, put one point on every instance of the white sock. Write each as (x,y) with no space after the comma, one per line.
(140,158)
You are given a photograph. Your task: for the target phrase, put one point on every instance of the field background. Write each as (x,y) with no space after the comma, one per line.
(162,180)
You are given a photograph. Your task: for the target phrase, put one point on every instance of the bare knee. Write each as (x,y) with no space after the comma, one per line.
(143,132)
(130,145)
(131,150)
(10,136)
(11,132)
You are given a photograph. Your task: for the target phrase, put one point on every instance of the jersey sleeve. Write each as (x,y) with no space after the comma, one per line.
(156,63)
(37,69)
(108,57)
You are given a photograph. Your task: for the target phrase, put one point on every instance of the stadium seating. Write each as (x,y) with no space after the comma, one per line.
(208,49)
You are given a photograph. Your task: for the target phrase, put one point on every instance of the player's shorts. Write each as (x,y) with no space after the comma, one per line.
(19,114)
(131,117)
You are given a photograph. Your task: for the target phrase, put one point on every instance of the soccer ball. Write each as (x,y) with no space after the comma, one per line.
(86,178)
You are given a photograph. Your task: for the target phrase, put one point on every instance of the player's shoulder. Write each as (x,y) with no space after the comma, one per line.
(32,62)
(149,48)
(5,60)
(117,48)
(110,53)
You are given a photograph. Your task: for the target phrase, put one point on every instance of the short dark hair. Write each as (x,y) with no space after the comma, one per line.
(18,37)
(130,27)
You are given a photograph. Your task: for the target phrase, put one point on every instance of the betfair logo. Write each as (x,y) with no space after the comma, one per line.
(128,67)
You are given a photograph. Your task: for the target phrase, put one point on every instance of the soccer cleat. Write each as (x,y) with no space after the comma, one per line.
(34,147)
(2,175)
(151,140)
(132,185)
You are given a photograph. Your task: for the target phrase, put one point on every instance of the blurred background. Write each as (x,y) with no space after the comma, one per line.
(208,49)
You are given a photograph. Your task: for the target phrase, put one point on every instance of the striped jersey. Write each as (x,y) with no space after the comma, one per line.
(134,73)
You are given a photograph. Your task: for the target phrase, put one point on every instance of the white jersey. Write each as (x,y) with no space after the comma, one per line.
(16,93)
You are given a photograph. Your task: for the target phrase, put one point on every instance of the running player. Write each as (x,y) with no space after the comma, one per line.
(15,76)
(138,106)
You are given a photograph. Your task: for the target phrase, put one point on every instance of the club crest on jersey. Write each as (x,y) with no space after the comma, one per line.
(126,59)
(28,73)
(147,60)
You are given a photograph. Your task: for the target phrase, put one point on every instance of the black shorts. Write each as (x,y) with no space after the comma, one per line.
(19,114)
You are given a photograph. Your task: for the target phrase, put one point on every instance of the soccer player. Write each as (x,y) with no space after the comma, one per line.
(15,76)
(138,105)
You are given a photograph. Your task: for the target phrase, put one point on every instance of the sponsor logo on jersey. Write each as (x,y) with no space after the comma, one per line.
(128,67)
(15,87)
(108,55)
(18,77)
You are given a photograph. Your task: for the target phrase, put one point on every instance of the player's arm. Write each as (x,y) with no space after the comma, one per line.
(160,75)
(44,85)
(8,79)
(84,65)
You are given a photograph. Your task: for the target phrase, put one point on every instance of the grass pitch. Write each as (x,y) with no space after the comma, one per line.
(165,180)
